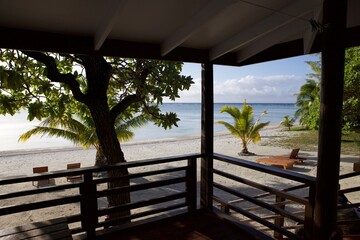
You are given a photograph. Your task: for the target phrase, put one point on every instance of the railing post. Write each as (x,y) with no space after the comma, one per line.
(279,221)
(309,213)
(191,182)
(88,206)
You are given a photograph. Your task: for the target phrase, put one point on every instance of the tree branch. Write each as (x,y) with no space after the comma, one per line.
(125,103)
(142,74)
(55,76)
(98,73)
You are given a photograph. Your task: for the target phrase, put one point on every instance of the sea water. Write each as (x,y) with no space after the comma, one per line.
(11,127)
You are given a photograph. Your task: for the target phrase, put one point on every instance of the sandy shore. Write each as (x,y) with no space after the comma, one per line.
(14,163)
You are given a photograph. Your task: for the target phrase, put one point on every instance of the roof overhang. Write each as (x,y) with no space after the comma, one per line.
(229,32)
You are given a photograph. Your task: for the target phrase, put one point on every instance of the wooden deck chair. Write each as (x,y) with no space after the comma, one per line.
(282,161)
(294,155)
(74,177)
(43,182)
(285,161)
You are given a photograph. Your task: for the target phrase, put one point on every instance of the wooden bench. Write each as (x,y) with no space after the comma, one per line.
(357,166)
(39,170)
(285,162)
(55,229)
(74,177)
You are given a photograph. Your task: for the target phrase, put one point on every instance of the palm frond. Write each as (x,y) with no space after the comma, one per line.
(233,111)
(126,135)
(135,122)
(122,127)
(51,132)
(69,124)
(254,133)
(230,128)
(247,113)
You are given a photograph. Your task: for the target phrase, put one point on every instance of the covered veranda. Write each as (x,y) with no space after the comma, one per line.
(226,32)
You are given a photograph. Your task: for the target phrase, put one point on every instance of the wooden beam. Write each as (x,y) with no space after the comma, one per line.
(207,135)
(270,39)
(107,23)
(269,24)
(331,90)
(184,32)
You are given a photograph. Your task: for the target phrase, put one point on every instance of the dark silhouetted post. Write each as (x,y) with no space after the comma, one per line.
(207,135)
(332,85)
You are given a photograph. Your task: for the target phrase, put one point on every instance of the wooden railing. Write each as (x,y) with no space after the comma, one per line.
(348,220)
(268,208)
(85,195)
(284,209)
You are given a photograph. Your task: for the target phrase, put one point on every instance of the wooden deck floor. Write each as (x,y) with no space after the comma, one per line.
(200,226)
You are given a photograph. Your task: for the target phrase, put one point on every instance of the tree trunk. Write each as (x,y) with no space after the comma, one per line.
(100,159)
(245,150)
(112,150)
(98,73)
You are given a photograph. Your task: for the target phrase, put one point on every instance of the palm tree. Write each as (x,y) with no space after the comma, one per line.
(309,93)
(244,127)
(287,122)
(81,131)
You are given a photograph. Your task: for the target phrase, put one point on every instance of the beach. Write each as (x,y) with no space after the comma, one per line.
(15,163)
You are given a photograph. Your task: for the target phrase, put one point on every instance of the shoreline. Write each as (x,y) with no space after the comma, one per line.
(27,151)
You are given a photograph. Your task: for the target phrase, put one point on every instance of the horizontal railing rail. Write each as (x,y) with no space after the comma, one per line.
(273,200)
(301,178)
(85,194)
(348,220)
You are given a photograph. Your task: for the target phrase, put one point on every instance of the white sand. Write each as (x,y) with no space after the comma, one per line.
(21,163)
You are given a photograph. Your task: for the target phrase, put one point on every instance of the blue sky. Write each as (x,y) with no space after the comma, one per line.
(272,82)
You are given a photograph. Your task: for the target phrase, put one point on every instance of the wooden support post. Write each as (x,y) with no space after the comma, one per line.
(332,84)
(279,221)
(309,213)
(191,185)
(207,135)
(89,206)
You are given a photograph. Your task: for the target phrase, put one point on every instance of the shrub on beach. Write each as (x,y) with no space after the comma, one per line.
(287,122)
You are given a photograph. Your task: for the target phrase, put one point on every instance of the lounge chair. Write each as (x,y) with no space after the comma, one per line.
(74,177)
(285,161)
(44,182)
(294,155)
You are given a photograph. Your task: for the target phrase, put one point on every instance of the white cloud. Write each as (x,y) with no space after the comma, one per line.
(272,89)
(193,94)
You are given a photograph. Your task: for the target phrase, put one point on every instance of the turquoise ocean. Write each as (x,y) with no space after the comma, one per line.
(11,127)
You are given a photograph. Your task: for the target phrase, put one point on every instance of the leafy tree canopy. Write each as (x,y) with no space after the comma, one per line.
(308,100)
(24,84)
(351,104)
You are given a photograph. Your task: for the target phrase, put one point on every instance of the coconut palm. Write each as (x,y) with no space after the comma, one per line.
(81,131)
(288,122)
(244,127)
(309,94)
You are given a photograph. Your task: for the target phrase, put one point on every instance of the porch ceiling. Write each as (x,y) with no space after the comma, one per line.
(231,32)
